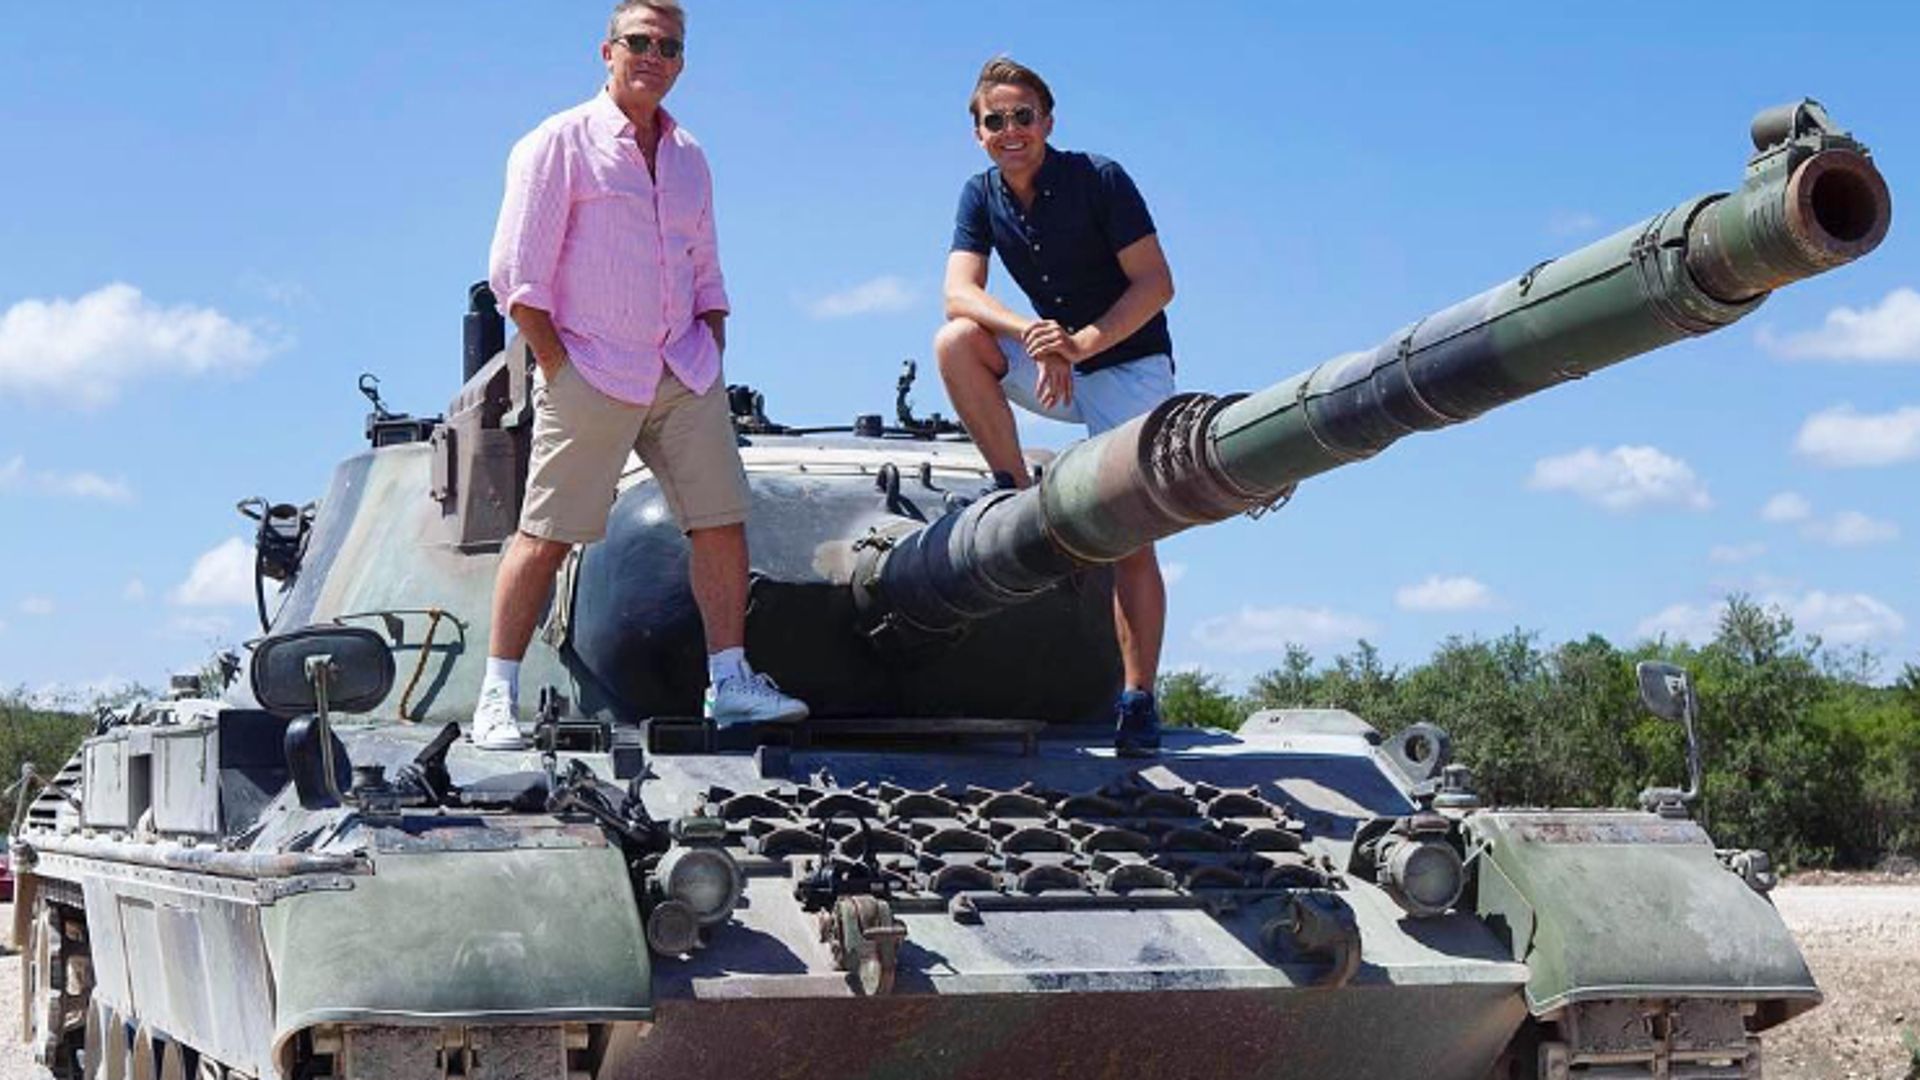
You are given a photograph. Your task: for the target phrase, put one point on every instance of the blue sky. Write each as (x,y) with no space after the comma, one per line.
(217,215)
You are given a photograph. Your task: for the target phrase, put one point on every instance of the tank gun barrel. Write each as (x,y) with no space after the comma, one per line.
(1811,200)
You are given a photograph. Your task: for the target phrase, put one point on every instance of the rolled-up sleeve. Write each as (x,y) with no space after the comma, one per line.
(972,227)
(1123,213)
(709,284)
(533,223)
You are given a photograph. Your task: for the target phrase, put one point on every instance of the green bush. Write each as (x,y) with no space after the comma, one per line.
(29,732)
(1804,756)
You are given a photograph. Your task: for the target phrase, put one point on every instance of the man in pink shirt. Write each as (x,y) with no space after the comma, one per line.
(605,258)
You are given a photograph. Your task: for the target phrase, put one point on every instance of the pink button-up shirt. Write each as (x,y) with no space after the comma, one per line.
(622,260)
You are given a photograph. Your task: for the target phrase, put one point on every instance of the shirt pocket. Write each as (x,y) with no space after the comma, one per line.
(614,198)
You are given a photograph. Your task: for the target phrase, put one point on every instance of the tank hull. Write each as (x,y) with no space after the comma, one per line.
(1442,1032)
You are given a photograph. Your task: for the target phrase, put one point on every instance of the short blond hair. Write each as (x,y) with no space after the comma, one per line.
(1003,70)
(670,9)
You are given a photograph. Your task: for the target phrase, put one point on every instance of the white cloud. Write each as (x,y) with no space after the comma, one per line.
(1850,528)
(283,292)
(135,590)
(1444,594)
(1837,618)
(1172,572)
(200,627)
(220,577)
(1622,479)
(882,294)
(1697,623)
(1254,629)
(1841,437)
(80,695)
(16,477)
(1736,553)
(36,606)
(1888,333)
(1843,618)
(82,351)
(1571,223)
(1786,506)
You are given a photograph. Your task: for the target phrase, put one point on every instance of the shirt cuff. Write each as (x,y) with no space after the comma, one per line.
(531,294)
(708,299)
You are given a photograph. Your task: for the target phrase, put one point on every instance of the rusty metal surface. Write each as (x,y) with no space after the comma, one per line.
(516,1053)
(1603,827)
(374,1052)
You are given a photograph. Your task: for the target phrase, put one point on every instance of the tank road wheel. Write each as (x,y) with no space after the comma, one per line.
(94,1048)
(173,1061)
(115,1059)
(50,1022)
(143,1066)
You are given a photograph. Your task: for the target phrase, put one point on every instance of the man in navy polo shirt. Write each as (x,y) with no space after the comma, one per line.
(1076,236)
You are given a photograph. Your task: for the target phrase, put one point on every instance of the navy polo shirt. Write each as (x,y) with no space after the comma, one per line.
(1063,251)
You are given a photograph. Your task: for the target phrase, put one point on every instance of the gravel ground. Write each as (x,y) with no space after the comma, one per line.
(1863,941)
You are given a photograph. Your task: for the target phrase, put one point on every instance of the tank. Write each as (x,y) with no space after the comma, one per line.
(947,871)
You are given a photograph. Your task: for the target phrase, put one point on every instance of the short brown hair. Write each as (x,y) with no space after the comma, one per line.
(670,9)
(1006,71)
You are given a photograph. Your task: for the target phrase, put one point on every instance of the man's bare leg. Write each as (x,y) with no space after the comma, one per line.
(718,568)
(1139,616)
(520,591)
(718,572)
(971,365)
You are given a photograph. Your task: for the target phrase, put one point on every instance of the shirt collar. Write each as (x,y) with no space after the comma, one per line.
(1049,171)
(607,121)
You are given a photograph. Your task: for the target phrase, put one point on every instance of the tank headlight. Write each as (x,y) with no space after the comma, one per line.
(671,929)
(1424,876)
(705,879)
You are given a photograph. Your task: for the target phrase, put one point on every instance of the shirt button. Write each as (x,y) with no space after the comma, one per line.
(1047,194)
(1059,299)
(1044,277)
(1036,247)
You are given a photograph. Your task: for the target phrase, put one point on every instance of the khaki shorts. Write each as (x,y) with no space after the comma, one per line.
(580,442)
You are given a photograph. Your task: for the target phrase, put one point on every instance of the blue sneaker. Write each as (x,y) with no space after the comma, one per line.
(1136,728)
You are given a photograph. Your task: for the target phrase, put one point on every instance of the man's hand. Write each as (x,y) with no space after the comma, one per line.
(1054,387)
(536,325)
(717,324)
(1044,337)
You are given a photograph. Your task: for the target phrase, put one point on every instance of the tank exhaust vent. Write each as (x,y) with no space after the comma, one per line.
(486,331)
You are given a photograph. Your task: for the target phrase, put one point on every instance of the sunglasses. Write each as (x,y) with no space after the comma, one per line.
(669,48)
(1019,116)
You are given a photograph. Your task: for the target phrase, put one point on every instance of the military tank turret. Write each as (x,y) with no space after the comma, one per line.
(313,875)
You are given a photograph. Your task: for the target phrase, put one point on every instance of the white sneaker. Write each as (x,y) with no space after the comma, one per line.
(753,699)
(495,727)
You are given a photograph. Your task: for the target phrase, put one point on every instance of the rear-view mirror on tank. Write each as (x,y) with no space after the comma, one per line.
(1667,692)
(1664,689)
(358,670)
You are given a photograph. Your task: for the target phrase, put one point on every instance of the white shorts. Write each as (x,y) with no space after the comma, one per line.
(1102,400)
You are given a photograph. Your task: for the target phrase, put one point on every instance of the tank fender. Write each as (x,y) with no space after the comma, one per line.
(1602,905)
(523,936)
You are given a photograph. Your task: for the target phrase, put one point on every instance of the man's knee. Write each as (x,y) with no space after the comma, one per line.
(722,533)
(962,344)
(538,552)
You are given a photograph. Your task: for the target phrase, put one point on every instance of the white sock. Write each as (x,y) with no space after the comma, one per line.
(505,671)
(726,664)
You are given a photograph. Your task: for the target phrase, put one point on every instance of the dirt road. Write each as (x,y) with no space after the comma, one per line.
(1862,940)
